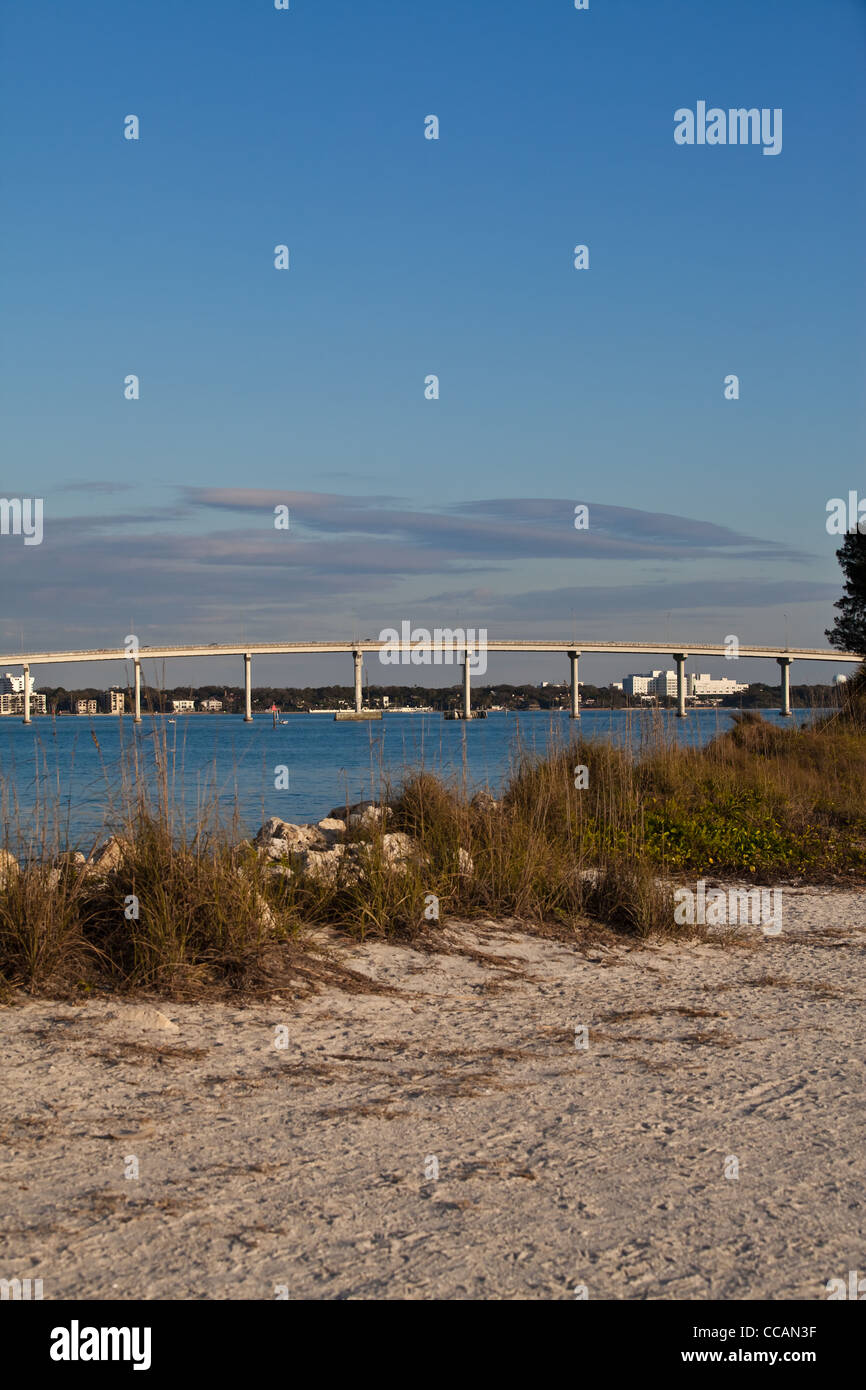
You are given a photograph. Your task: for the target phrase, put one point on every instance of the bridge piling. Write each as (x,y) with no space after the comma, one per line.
(467,694)
(26,719)
(575,687)
(248,688)
(680,659)
(784,664)
(358,658)
(137,715)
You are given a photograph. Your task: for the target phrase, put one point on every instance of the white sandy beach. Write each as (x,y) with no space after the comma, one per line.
(266,1171)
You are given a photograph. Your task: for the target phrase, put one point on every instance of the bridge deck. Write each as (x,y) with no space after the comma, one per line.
(694,649)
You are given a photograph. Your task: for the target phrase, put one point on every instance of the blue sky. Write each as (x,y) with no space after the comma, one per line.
(411,257)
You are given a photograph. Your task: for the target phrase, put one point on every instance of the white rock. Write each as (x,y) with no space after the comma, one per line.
(274,849)
(9,868)
(108,856)
(399,848)
(271,829)
(278,838)
(266,916)
(277,871)
(323,865)
(370,818)
(326,865)
(332,828)
(465,864)
(343,812)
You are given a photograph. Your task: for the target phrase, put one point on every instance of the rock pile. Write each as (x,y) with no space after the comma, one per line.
(322,851)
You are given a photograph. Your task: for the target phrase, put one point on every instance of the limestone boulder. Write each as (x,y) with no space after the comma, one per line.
(278,839)
(371,819)
(363,815)
(343,812)
(331,865)
(465,863)
(333,829)
(108,857)
(273,870)
(399,850)
(71,857)
(266,918)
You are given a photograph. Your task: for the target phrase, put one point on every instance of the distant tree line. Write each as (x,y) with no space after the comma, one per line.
(291,699)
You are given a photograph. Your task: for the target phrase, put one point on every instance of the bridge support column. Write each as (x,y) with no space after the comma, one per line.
(137,695)
(248,688)
(26,670)
(575,687)
(358,658)
(784,664)
(680,659)
(467,690)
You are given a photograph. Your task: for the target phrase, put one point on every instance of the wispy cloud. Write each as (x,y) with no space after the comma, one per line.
(711,596)
(211,564)
(502,528)
(107,486)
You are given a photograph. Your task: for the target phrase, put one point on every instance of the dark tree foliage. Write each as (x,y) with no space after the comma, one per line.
(849,629)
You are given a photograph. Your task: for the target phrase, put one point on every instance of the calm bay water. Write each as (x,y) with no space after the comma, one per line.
(71,767)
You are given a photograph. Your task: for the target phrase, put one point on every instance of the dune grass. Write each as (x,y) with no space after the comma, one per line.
(187,910)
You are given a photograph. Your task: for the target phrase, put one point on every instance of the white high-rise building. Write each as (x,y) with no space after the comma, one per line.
(664,683)
(14,685)
(639,684)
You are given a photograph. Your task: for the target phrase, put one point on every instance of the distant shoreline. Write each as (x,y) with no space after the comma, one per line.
(303,713)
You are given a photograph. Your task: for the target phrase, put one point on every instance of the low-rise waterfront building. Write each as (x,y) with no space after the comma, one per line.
(708,685)
(663,684)
(14,704)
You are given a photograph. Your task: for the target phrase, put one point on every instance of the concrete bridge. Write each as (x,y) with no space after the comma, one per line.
(453,652)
